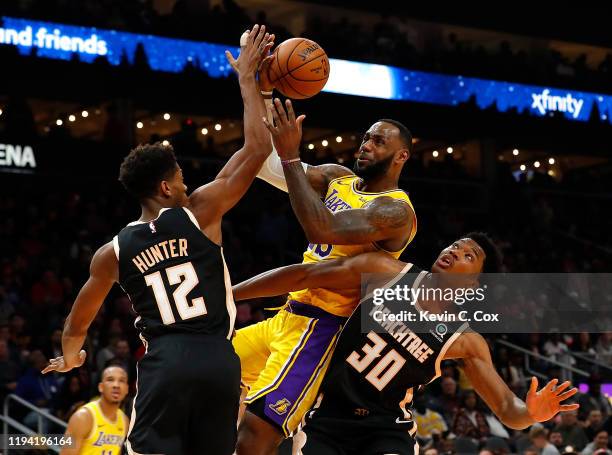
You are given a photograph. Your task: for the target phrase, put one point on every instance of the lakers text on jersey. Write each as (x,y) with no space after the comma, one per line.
(106,437)
(342,194)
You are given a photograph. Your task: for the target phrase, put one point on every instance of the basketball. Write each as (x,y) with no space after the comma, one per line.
(300,68)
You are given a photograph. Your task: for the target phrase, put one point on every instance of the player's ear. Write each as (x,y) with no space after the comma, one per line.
(100,388)
(403,155)
(165,188)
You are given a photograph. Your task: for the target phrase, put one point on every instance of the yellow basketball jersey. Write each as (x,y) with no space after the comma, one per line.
(342,194)
(106,437)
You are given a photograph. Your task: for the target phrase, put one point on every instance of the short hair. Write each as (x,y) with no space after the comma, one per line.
(538,432)
(493,259)
(145,167)
(404,133)
(113,363)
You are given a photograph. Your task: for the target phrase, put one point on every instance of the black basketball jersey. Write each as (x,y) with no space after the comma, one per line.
(175,276)
(376,372)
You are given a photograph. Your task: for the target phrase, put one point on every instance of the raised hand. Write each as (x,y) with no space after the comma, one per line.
(253,51)
(543,405)
(286,131)
(61,365)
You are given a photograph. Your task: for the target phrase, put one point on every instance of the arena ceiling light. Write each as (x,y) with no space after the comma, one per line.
(310,146)
(435,153)
(72,117)
(324,143)
(523,167)
(84,114)
(551,161)
(166,116)
(536,164)
(218,127)
(449,150)
(338,139)
(204,131)
(59,122)
(515,152)
(139,125)
(165,143)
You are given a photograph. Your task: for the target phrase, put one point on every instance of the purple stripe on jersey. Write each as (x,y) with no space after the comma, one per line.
(280,402)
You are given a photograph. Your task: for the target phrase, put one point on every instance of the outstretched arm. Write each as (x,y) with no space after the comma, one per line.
(103,272)
(513,412)
(344,273)
(210,202)
(382,219)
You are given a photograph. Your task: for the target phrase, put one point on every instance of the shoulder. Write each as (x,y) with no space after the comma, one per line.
(105,261)
(320,176)
(386,211)
(81,422)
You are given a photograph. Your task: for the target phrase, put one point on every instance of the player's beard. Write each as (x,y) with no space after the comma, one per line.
(374,170)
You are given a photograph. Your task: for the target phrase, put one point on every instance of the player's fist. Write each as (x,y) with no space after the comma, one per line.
(544,404)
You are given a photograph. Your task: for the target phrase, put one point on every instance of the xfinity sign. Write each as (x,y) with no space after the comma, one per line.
(17,156)
(544,102)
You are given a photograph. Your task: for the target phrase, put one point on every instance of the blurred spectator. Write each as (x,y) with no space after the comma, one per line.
(470,422)
(556,439)
(593,423)
(448,402)
(538,437)
(429,422)
(572,433)
(38,389)
(106,353)
(599,445)
(594,399)
(604,348)
(584,344)
(72,394)
(47,291)
(9,371)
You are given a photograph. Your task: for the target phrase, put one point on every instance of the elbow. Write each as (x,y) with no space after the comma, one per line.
(318,234)
(259,145)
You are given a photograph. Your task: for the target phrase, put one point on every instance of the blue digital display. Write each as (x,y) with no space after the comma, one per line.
(59,41)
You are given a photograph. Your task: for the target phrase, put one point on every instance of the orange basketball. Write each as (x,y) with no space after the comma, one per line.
(300,68)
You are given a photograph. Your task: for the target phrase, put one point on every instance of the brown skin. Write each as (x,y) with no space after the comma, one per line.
(385,220)
(463,258)
(113,389)
(208,203)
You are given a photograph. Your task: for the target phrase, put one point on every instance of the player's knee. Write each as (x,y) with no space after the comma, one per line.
(256,436)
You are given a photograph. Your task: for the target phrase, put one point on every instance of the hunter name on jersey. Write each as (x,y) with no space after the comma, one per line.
(155,254)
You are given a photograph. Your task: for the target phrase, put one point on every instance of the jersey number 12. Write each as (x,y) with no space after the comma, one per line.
(184,274)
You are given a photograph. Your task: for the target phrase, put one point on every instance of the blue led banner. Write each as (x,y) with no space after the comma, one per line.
(57,41)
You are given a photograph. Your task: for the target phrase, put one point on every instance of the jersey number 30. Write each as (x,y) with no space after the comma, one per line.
(185,275)
(385,369)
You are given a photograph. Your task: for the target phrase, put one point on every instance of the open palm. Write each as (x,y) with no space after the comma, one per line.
(544,404)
